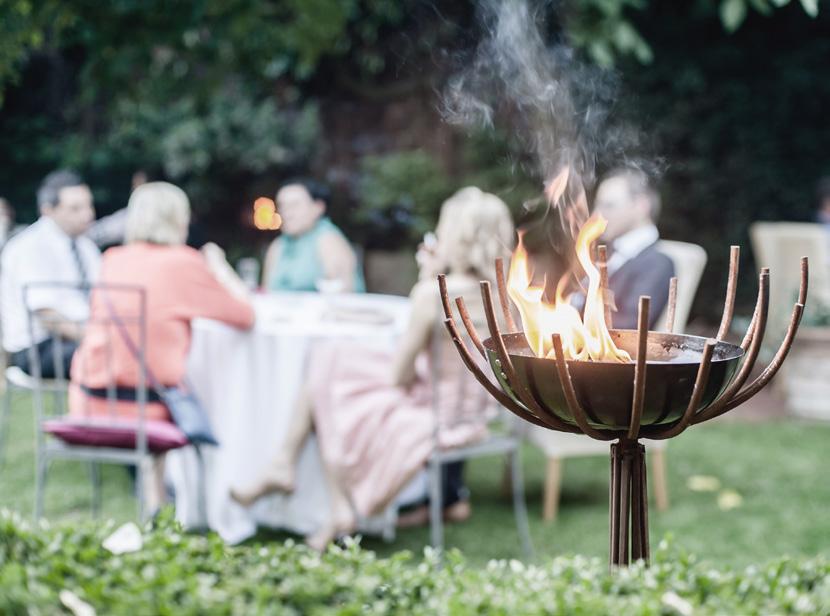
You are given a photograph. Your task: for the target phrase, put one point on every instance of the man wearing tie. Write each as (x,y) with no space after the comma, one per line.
(52,250)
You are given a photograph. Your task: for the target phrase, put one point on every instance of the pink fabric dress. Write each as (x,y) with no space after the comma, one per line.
(376,436)
(179,288)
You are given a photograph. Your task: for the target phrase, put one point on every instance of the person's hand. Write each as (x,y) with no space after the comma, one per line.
(213,253)
(429,263)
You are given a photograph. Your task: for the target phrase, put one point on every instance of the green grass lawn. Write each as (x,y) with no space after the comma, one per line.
(780,469)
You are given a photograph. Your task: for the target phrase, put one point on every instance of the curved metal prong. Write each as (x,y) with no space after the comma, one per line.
(702,379)
(805,280)
(524,396)
(503,300)
(462,310)
(731,289)
(469,361)
(770,371)
(602,265)
(468,325)
(758,327)
(750,331)
(640,368)
(781,354)
(445,298)
(577,412)
(672,305)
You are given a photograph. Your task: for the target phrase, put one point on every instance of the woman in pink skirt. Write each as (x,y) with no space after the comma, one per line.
(378,415)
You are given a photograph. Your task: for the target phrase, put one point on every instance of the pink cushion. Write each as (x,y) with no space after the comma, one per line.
(161,435)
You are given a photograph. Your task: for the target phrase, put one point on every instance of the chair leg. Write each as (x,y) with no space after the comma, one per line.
(658,470)
(436,519)
(507,477)
(202,488)
(140,473)
(95,476)
(5,424)
(390,521)
(553,487)
(519,506)
(40,484)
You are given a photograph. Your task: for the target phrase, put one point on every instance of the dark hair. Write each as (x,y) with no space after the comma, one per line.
(822,191)
(317,190)
(49,192)
(639,185)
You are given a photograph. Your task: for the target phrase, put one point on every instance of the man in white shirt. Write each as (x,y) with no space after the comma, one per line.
(52,250)
(629,203)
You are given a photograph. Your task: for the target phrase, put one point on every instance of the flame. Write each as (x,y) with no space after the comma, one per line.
(583,338)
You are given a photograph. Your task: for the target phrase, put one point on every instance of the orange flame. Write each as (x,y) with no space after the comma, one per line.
(582,338)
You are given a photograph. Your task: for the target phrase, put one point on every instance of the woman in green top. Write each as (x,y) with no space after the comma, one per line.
(312,253)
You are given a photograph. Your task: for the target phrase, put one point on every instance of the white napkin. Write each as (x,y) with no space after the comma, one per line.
(125,539)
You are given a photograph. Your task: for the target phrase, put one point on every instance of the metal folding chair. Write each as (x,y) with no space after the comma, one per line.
(98,438)
(503,440)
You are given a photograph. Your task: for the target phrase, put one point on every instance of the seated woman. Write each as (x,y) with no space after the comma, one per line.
(181,284)
(377,414)
(312,251)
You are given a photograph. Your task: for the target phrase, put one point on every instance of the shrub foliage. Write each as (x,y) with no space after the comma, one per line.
(178,573)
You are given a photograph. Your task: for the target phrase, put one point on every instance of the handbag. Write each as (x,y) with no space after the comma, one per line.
(185,409)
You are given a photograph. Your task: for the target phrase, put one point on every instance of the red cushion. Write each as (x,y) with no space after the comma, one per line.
(161,435)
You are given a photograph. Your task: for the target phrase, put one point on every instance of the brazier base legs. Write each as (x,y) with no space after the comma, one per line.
(629,503)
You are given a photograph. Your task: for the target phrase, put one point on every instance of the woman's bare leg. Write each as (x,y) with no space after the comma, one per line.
(278,476)
(153,488)
(342,520)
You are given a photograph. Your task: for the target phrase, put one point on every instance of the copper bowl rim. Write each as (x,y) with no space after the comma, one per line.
(723,351)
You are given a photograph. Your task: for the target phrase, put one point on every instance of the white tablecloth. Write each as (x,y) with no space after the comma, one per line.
(248,383)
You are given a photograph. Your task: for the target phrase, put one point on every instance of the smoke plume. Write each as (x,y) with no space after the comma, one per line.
(560,108)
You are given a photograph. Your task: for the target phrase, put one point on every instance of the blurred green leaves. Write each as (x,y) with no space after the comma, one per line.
(182,574)
(733,13)
(401,193)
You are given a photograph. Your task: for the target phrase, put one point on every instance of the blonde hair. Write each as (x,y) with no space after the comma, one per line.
(474,228)
(158,213)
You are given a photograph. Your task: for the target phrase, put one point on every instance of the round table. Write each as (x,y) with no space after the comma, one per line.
(248,383)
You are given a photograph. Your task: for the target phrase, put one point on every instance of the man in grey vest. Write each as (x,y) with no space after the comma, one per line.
(629,203)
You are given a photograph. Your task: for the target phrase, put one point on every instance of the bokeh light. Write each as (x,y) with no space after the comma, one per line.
(265,215)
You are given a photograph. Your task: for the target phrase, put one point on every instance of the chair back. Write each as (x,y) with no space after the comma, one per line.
(780,246)
(689,261)
(116,311)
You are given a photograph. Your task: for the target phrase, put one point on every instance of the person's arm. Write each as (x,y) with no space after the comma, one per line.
(222,270)
(203,295)
(339,261)
(418,332)
(58,325)
(272,255)
(44,299)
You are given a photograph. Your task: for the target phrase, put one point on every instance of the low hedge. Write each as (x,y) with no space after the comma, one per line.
(178,573)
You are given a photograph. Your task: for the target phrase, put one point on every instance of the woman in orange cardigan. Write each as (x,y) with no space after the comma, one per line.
(181,284)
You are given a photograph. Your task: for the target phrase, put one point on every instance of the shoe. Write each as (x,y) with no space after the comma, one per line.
(334,531)
(458,512)
(455,513)
(414,518)
(265,486)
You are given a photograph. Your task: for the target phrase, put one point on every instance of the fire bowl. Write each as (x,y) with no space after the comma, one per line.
(605,389)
